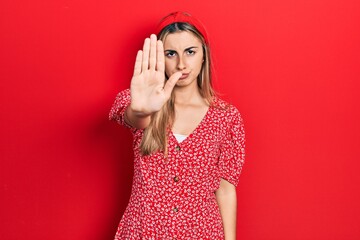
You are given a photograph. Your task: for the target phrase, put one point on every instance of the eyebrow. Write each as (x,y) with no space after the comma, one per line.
(186,49)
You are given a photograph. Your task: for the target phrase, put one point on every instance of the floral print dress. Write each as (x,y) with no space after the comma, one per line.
(174,198)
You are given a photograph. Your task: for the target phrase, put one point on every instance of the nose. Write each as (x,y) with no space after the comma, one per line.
(181,64)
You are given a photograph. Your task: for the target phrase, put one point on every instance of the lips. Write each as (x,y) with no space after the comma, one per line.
(184,75)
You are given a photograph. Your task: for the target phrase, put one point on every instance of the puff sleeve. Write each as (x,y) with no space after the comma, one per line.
(117,112)
(232,148)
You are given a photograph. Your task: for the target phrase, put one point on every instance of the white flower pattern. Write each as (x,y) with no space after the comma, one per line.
(175,199)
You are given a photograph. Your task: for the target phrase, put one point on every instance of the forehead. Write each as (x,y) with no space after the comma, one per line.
(181,40)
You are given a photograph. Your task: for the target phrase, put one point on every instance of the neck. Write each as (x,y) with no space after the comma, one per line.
(184,95)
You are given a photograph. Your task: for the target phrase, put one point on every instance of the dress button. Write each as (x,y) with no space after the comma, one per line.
(177,148)
(175,209)
(176,179)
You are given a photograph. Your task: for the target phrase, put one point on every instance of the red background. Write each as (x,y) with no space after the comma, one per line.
(290,66)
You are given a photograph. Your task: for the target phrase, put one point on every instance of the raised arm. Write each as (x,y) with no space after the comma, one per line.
(149,90)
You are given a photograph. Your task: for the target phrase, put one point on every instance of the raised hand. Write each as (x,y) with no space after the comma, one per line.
(149,92)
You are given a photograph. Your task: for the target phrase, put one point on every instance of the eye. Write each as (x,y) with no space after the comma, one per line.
(170,54)
(190,52)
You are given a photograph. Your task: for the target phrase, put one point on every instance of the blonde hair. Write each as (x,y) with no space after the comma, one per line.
(156,134)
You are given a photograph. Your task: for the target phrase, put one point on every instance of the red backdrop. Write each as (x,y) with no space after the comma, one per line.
(291,67)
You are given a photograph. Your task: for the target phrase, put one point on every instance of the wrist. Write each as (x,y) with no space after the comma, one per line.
(139,113)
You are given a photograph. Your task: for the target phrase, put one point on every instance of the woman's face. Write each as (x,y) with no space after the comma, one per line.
(183,52)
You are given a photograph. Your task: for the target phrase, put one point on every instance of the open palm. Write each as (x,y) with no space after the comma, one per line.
(149,92)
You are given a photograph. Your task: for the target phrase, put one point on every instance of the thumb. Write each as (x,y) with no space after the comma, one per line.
(170,83)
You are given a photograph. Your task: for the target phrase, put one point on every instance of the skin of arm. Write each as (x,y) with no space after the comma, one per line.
(227,201)
(137,119)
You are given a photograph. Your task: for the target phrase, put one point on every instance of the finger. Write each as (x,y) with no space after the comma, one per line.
(138,61)
(160,63)
(169,85)
(152,60)
(145,56)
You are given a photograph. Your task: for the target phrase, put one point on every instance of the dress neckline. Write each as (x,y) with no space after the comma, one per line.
(190,136)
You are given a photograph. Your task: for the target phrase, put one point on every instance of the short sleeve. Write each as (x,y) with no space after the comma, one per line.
(232,149)
(117,112)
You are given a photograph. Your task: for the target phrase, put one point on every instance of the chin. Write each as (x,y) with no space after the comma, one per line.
(186,83)
(180,84)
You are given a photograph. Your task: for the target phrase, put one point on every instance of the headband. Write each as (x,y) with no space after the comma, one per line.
(182,17)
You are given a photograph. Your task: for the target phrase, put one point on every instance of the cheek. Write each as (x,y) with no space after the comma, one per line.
(197,63)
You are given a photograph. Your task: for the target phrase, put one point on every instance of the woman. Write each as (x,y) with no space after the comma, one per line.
(189,145)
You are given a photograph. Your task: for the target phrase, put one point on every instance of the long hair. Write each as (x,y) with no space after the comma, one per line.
(156,134)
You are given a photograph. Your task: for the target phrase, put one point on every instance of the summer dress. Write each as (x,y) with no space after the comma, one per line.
(175,199)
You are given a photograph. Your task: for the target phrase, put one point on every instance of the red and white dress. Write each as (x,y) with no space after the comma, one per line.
(175,199)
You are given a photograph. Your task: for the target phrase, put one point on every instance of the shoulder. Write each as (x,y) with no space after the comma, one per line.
(124,94)
(123,98)
(225,109)
(229,119)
